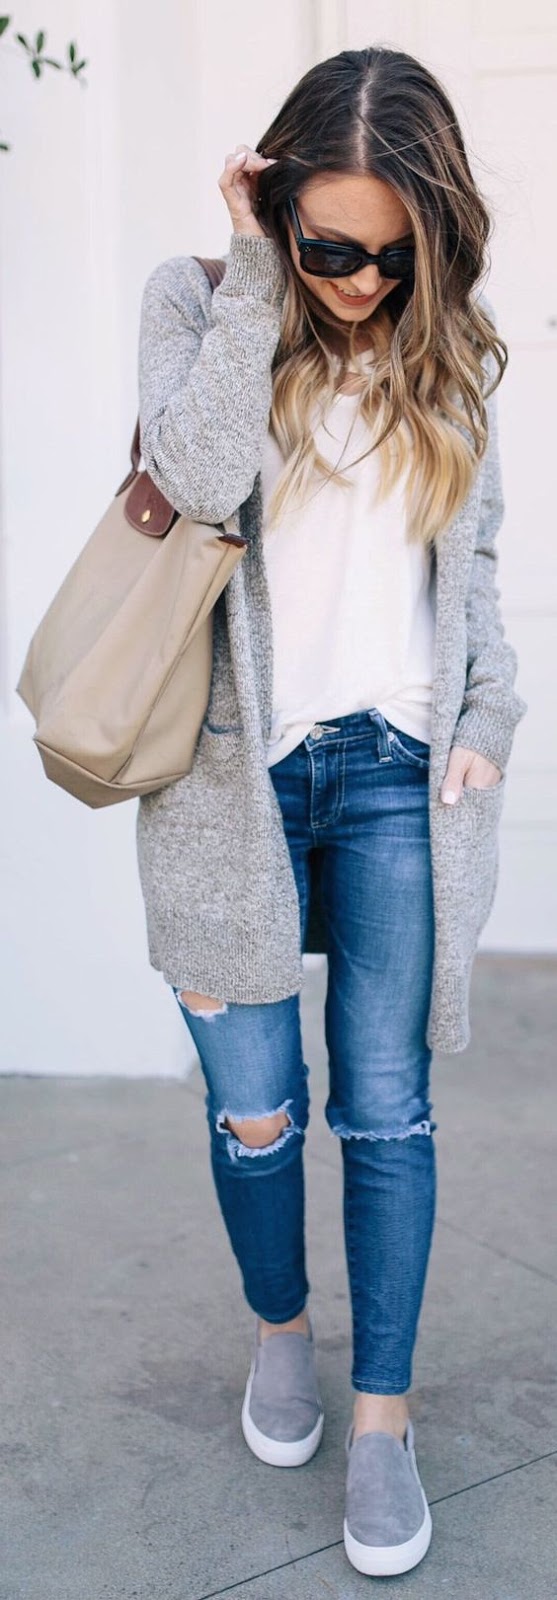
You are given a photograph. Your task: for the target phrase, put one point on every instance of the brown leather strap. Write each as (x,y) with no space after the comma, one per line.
(215,269)
(136,448)
(147,509)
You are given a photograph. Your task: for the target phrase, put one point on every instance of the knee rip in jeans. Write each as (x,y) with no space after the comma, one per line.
(207,1009)
(238,1147)
(344,1132)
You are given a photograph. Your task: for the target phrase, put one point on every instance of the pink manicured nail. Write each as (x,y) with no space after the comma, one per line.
(449,797)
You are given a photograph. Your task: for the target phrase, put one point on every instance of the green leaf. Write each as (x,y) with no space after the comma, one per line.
(71,52)
(4,146)
(79,66)
(4,23)
(36,67)
(39,42)
(23,41)
(48,62)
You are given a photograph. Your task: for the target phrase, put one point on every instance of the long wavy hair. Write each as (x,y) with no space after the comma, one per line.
(437,355)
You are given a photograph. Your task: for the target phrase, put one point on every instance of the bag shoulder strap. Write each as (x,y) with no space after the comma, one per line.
(215,268)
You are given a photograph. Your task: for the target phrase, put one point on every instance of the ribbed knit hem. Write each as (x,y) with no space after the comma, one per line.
(484,729)
(253,266)
(238,990)
(448,1027)
(238,976)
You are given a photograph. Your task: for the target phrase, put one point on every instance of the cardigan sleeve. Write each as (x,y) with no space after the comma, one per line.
(205,380)
(491,707)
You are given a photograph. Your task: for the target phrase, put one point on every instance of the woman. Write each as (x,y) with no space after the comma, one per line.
(335,396)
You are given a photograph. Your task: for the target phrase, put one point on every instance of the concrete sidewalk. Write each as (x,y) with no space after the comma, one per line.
(126,1341)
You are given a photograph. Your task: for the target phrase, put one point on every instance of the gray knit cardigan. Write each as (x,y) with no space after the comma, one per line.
(219,890)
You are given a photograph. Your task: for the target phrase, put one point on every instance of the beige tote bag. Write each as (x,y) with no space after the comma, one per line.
(118,672)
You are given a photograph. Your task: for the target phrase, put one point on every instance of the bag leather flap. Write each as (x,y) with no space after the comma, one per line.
(147,509)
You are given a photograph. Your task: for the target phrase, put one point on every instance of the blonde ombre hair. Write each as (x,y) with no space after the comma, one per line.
(437,356)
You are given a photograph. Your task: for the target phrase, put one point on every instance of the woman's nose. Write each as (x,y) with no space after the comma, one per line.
(367,282)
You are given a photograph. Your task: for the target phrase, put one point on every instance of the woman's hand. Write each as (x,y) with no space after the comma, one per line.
(470,765)
(238,184)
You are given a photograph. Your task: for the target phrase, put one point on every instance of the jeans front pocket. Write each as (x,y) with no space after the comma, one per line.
(404,747)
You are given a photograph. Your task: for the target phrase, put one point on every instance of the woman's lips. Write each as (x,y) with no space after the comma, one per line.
(353,299)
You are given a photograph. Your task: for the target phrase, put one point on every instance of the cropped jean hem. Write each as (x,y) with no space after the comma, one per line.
(373,1383)
(286,1315)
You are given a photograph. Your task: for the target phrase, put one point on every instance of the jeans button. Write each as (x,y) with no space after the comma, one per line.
(317,731)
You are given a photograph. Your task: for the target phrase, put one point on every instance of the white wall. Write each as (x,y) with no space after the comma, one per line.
(102,183)
(498,60)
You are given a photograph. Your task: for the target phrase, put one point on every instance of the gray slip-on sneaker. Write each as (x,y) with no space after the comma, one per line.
(387,1526)
(282,1413)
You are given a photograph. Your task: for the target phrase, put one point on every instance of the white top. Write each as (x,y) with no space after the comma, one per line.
(353,603)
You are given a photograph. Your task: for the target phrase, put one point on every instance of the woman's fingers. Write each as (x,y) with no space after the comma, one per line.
(464,762)
(236,184)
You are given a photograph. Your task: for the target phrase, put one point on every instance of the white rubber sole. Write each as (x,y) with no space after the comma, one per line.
(385,1561)
(278,1452)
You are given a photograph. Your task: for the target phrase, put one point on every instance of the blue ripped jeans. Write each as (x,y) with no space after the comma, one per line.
(357,788)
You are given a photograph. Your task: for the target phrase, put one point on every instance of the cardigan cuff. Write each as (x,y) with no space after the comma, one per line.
(254,266)
(483,729)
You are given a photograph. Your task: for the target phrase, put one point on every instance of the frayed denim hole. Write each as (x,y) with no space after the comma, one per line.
(342,1130)
(234,1145)
(199,1011)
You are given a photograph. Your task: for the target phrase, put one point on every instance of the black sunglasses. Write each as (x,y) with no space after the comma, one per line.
(324,258)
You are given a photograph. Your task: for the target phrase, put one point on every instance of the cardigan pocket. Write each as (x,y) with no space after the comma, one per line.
(216,744)
(219,728)
(484,806)
(493,789)
(219,761)
(467,850)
